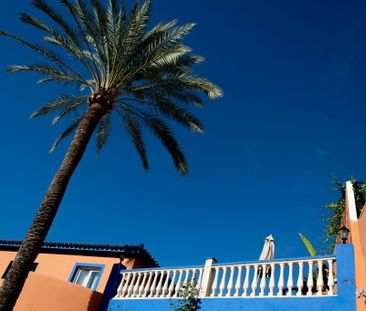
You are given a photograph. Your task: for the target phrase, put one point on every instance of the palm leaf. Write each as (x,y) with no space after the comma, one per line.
(69,130)
(61,102)
(103,131)
(308,245)
(166,136)
(134,130)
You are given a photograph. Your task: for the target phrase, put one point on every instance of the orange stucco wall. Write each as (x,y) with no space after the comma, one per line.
(48,287)
(357,237)
(43,293)
(61,266)
(362,230)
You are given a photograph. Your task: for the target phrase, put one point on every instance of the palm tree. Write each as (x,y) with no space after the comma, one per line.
(123,69)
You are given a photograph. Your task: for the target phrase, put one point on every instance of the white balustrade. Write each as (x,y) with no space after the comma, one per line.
(263,280)
(280,280)
(319,281)
(215,282)
(271,280)
(231,282)
(290,281)
(255,281)
(246,282)
(300,279)
(310,282)
(223,281)
(304,277)
(238,282)
(330,277)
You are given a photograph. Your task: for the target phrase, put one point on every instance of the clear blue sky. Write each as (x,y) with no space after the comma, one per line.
(293,115)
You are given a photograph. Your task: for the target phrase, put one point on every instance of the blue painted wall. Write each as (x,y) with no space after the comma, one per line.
(344,301)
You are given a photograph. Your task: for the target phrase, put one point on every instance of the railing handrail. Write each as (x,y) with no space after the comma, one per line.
(297,259)
(250,262)
(160,269)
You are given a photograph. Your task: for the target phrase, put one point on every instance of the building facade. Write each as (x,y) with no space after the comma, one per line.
(73,276)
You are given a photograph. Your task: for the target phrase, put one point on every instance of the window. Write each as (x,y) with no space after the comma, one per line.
(87,275)
(34,267)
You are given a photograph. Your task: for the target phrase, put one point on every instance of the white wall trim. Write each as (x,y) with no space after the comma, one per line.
(351,203)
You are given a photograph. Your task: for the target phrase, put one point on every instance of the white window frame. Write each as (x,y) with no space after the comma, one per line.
(90,268)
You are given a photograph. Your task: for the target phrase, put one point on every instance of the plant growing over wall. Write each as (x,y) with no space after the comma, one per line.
(336,209)
(189,298)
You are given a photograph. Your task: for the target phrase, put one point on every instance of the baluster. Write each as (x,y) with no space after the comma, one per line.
(263,280)
(165,287)
(185,282)
(153,284)
(300,279)
(281,280)
(142,285)
(172,284)
(131,285)
(290,280)
(179,283)
(238,282)
(160,284)
(255,281)
(215,282)
(192,280)
(135,290)
(148,284)
(330,277)
(119,290)
(310,282)
(200,272)
(223,281)
(272,280)
(231,281)
(320,281)
(125,287)
(246,281)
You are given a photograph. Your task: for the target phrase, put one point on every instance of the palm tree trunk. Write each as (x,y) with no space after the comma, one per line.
(37,233)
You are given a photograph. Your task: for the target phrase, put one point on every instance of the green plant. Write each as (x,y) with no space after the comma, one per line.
(335,210)
(125,71)
(308,245)
(189,300)
(325,270)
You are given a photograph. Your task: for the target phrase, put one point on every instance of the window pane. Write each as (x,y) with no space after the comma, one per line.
(81,276)
(87,276)
(93,278)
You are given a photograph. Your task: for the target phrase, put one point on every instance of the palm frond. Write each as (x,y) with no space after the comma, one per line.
(171,110)
(51,73)
(166,136)
(61,102)
(103,131)
(163,48)
(71,42)
(68,110)
(169,84)
(75,12)
(135,132)
(58,19)
(90,24)
(121,24)
(69,130)
(137,22)
(212,90)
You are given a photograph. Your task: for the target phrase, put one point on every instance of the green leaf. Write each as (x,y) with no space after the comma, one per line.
(308,245)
